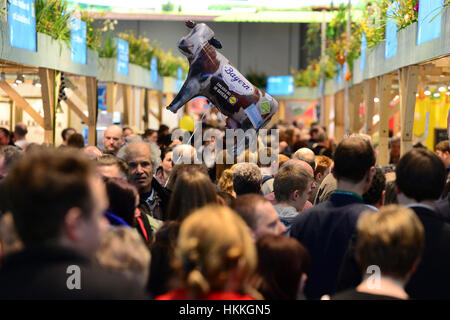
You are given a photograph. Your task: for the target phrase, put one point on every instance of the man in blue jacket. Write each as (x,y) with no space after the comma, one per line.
(327,228)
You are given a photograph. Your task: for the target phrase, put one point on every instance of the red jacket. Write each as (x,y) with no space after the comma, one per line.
(182,294)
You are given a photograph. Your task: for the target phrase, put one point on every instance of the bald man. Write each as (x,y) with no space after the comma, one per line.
(113,139)
(154,198)
(306,155)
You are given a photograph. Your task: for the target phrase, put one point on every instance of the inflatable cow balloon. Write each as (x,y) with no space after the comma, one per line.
(211,75)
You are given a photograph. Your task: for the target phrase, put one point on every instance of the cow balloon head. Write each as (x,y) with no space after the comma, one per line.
(196,39)
(211,75)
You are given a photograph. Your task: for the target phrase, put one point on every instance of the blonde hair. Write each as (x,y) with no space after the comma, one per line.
(226,181)
(214,242)
(123,250)
(392,238)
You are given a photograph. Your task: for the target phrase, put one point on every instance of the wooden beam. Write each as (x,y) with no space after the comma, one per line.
(126,104)
(384,93)
(22,103)
(91,90)
(77,110)
(111,96)
(408,77)
(355,97)
(133,108)
(339,115)
(370,87)
(47,78)
(144,103)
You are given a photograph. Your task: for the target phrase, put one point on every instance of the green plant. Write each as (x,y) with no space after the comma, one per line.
(258,79)
(168,7)
(141,51)
(168,64)
(109,47)
(52,18)
(93,34)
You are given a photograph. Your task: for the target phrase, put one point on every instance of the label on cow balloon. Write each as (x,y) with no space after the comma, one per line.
(265,107)
(236,81)
(254,116)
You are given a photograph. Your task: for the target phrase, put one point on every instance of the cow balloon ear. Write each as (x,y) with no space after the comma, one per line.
(190,24)
(215,43)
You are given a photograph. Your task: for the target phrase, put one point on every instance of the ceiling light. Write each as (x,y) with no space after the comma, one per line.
(437,95)
(442,89)
(36,83)
(376,100)
(427,93)
(3,76)
(20,79)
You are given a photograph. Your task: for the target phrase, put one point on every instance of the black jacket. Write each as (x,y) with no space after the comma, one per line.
(41,273)
(160,206)
(326,230)
(431,279)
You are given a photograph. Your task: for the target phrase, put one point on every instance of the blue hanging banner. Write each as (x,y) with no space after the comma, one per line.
(363,51)
(339,75)
(280,85)
(179,78)
(391,32)
(122,56)
(101,93)
(78,49)
(22,24)
(154,70)
(428,30)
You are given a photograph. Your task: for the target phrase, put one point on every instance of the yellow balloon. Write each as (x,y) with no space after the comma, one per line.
(187,123)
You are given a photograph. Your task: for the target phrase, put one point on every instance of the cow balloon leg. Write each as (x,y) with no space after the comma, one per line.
(189,90)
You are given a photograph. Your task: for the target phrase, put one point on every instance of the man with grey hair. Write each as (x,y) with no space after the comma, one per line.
(154,198)
(246,178)
(306,155)
(20,133)
(184,154)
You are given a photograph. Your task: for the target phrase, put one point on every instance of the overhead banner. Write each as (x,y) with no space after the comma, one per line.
(391,32)
(22,24)
(78,47)
(280,85)
(154,70)
(122,56)
(429,20)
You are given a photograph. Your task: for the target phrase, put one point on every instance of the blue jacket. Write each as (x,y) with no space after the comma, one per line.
(326,230)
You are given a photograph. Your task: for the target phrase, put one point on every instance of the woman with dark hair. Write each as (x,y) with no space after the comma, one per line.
(163,172)
(123,208)
(123,198)
(282,266)
(192,190)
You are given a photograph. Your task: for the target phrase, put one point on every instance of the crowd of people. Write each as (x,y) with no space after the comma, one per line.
(133,220)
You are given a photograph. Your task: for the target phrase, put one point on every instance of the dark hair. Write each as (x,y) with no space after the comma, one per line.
(288,179)
(281,263)
(246,205)
(353,158)
(227,198)
(391,193)
(299,144)
(7,134)
(192,190)
(65,132)
(373,195)
(148,133)
(420,175)
(110,160)
(122,199)
(76,140)
(20,129)
(42,188)
(164,152)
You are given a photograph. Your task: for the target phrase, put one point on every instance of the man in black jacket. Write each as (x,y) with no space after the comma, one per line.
(58,203)
(420,179)
(327,228)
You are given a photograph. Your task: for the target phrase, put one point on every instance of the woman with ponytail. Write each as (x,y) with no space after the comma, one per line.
(215,257)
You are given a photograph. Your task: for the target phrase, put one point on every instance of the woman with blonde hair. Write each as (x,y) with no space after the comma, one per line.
(215,256)
(226,182)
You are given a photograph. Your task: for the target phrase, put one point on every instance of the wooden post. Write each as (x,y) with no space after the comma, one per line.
(126,104)
(133,108)
(144,102)
(49,100)
(355,96)
(91,89)
(369,103)
(408,79)
(384,92)
(72,106)
(111,96)
(339,115)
